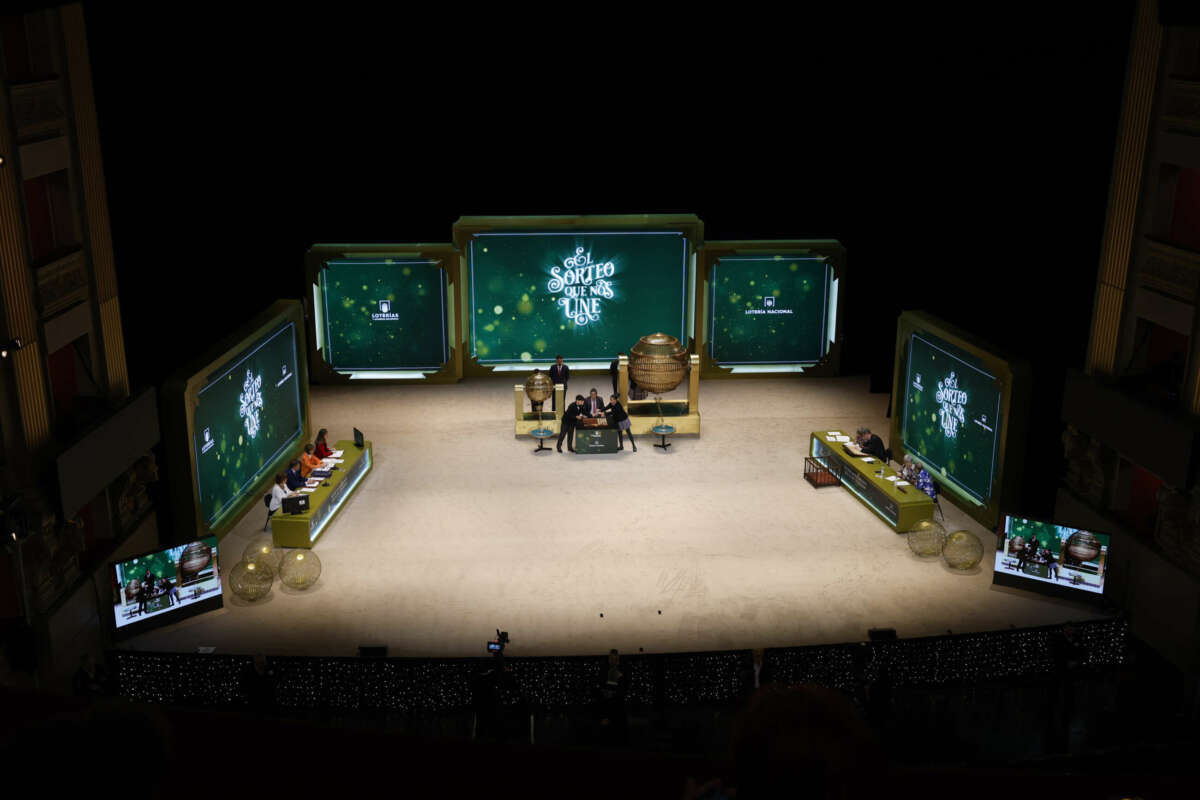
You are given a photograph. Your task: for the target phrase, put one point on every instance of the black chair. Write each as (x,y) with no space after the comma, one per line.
(267,503)
(937,502)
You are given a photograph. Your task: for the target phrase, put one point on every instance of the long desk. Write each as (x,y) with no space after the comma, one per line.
(900,510)
(302,530)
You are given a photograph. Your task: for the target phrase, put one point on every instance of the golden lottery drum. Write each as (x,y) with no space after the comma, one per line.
(195,557)
(538,387)
(1083,546)
(658,363)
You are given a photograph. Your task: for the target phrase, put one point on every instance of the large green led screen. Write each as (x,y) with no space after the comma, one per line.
(771,309)
(952,414)
(383,314)
(586,295)
(247,416)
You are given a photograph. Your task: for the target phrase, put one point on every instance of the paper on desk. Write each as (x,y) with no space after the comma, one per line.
(835,433)
(891,477)
(903,483)
(868,459)
(831,438)
(338,460)
(307,490)
(843,438)
(338,453)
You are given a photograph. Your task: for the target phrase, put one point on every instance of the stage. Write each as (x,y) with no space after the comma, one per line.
(717,543)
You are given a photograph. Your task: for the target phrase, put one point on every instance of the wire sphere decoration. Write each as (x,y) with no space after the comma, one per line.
(963,551)
(251,580)
(300,569)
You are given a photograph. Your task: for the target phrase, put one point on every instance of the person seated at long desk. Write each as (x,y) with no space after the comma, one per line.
(594,405)
(308,461)
(868,444)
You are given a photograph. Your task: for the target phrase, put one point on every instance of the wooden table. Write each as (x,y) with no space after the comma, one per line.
(900,507)
(302,530)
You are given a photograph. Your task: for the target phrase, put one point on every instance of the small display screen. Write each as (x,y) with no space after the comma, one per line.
(1040,554)
(166,585)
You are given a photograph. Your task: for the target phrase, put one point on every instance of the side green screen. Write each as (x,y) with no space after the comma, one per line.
(584,295)
(247,419)
(384,314)
(952,414)
(770,309)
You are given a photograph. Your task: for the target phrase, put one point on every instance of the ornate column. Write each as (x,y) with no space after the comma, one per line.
(95,197)
(1125,189)
(16,286)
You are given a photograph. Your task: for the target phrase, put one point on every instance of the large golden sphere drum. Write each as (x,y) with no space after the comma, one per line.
(538,387)
(1083,546)
(194,558)
(658,363)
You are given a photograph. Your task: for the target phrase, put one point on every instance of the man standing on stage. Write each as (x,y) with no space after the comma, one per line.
(559,373)
(614,369)
(570,418)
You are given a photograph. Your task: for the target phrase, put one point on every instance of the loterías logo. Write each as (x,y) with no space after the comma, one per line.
(583,285)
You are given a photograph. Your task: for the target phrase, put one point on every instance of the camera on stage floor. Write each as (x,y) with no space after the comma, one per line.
(496,646)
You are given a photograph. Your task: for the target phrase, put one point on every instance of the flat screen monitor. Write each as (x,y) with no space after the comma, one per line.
(382,314)
(1056,559)
(771,309)
(233,420)
(583,294)
(952,414)
(165,586)
(248,418)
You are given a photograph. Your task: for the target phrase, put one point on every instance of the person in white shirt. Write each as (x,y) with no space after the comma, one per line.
(278,493)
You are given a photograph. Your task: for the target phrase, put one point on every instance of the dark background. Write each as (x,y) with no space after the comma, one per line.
(963,162)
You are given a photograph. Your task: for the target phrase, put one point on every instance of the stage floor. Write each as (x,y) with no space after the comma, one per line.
(718,543)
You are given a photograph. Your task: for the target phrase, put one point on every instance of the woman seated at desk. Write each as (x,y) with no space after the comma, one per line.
(308,461)
(320,447)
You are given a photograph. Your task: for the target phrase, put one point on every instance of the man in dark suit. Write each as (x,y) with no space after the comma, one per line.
(614,369)
(559,373)
(871,444)
(570,419)
(593,406)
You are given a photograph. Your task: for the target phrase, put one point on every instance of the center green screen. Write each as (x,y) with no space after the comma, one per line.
(384,314)
(247,419)
(952,414)
(770,309)
(584,295)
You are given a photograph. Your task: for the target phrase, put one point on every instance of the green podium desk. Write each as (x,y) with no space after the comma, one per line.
(900,507)
(302,530)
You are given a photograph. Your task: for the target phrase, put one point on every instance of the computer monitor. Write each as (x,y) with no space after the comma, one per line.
(358,439)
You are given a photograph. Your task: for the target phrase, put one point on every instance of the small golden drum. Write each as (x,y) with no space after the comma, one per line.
(658,363)
(538,387)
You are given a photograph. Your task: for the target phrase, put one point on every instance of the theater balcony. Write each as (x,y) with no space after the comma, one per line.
(1144,426)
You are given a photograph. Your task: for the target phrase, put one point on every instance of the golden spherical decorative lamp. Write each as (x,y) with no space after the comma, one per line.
(251,580)
(963,551)
(658,363)
(1083,546)
(299,569)
(194,558)
(263,549)
(927,538)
